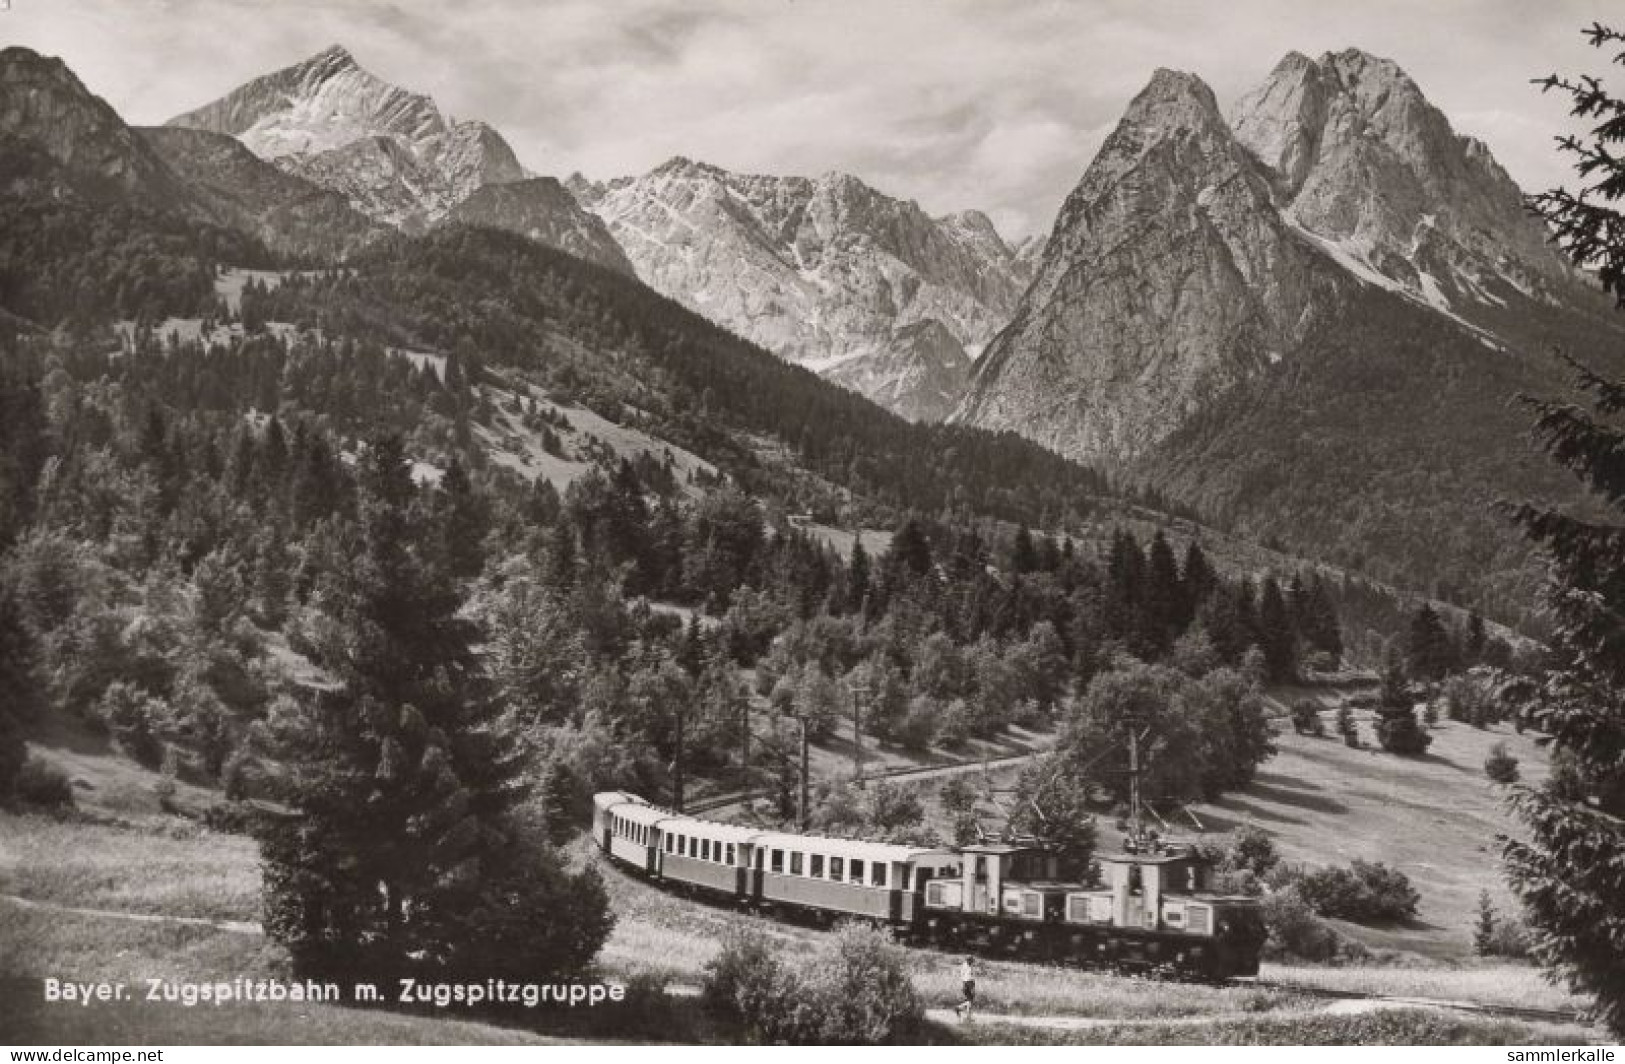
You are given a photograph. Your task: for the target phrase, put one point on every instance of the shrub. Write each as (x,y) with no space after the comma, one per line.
(1496,937)
(43,784)
(860,992)
(1365,892)
(747,985)
(1500,766)
(1484,929)
(230,818)
(1399,733)
(134,718)
(855,991)
(1253,851)
(1295,930)
(1346,727)
(1306,718)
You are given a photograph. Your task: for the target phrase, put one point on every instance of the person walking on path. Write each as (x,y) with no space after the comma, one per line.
(967,984)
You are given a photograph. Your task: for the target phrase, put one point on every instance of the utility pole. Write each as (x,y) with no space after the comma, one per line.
(744,741)
(677,764)
(801,808)
(859,692)
(1136,829)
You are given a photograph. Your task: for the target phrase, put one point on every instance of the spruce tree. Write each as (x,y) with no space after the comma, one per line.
(1569,869)
(1275,633)
(1023,554)
(1428,648)
(1162,595)
(401,851)
(21,691)
(1196,580)
(1397,727)
(857,575)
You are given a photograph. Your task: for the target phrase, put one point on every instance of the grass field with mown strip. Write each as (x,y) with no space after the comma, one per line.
(1435,818)
(169,868)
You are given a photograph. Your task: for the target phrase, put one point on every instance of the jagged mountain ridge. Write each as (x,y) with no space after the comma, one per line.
(1310,323)
(394,156)
(1169,277)
(1164,283)
(1363,162)
(82,149)
(826,272)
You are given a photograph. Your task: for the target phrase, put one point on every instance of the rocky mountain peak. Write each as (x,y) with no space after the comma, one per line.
(827,271)
(1169,277)
(394,155)
(333,58)
(1363,162)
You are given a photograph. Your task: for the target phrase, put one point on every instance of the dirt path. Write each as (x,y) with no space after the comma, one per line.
(236,927)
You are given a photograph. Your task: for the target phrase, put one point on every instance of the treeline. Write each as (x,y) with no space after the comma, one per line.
(68,262)
(518,304)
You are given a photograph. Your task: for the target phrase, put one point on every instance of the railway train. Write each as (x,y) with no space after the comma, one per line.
(1152,914)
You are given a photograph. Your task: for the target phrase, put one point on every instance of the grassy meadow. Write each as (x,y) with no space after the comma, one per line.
(121,854)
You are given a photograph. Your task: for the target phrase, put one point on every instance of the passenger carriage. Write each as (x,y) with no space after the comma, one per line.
(705,855)
(627,828)
(842,877)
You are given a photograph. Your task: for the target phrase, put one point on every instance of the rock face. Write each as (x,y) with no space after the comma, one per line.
(237,188)
(48,109)
(1365,164)
(1197,252)
(390,152)
(1169,276)
(545,211)
(920,373)
(826,272)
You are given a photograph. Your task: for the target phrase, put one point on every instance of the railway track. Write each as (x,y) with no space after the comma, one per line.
(724,802)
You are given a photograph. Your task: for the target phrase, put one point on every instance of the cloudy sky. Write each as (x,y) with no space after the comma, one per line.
(997,104)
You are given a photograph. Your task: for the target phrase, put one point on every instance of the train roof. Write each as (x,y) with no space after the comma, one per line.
(606,799)
(711,829)
(852,849)
(641,812)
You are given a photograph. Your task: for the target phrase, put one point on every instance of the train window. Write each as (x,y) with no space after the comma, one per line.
(761,860)
(706,846)
(837,868)
(670,845)
(778,861)
(684,846)
(795,864)
(857,872)
(817,869)
(730,853)
(877,874)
